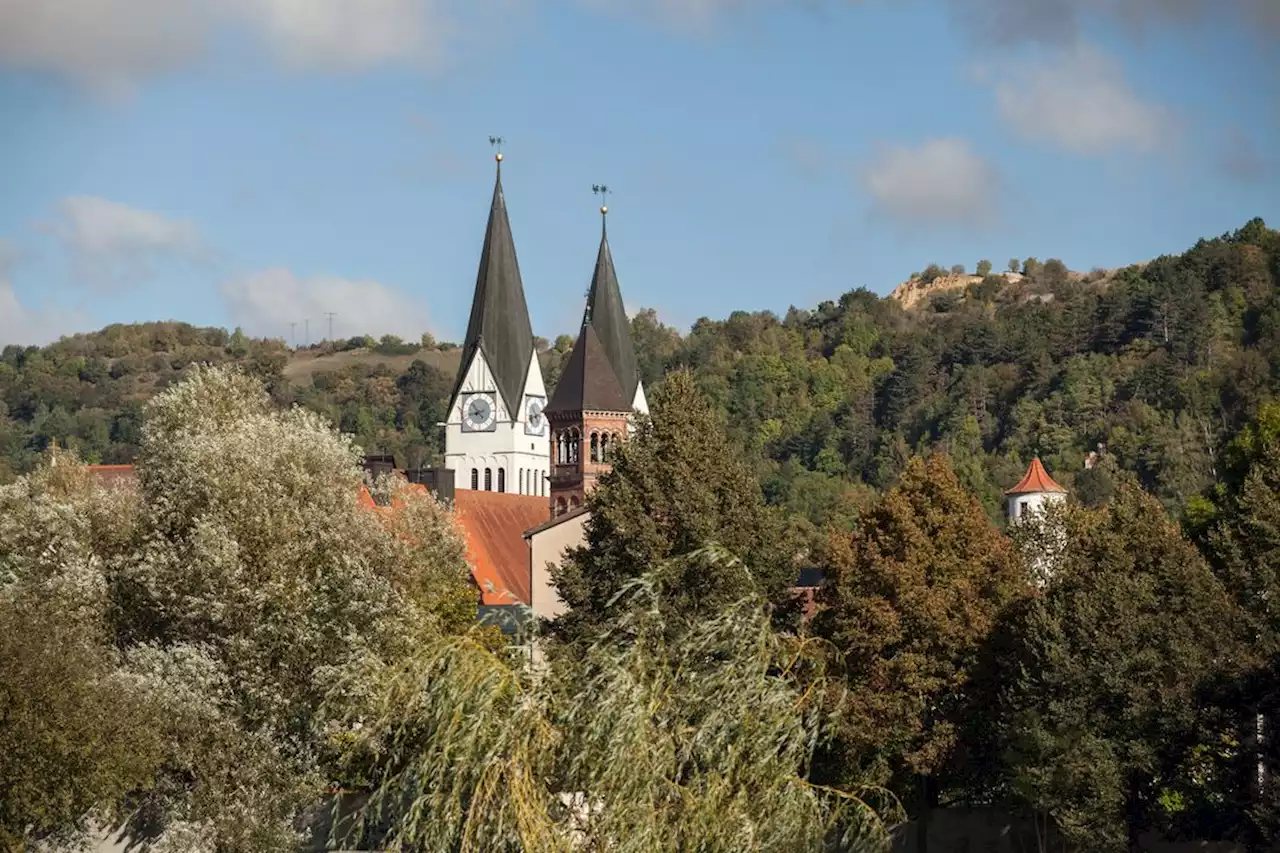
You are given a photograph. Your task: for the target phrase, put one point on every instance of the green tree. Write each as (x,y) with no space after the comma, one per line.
(1014,264)
(957,269)
(1100,718)
(676,486)
(912,597)
(984,268)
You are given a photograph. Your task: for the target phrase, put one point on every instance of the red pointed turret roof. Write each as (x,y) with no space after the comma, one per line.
(1036,480)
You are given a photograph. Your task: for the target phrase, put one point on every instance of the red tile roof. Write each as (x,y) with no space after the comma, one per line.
(1036,480)
(111,473)
(493,526)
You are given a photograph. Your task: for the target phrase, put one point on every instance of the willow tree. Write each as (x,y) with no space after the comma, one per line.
(235,588)
(639,744)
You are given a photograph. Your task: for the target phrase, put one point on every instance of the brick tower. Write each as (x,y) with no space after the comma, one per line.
(600,388)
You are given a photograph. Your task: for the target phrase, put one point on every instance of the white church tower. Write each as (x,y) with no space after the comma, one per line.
(496,432)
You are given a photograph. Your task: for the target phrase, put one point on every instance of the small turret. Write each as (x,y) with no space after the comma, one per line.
(1034,491)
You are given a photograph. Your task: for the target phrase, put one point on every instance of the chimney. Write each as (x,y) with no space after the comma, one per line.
(439,481)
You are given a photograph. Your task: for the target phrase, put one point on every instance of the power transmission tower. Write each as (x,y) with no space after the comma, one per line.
(293,335)
(306,328)
(330,315)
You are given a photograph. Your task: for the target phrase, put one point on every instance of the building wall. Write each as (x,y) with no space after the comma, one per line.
(1034,502)
(548,547)
(523,457)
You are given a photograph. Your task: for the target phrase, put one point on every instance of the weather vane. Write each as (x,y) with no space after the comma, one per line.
(602,191)
(496,142)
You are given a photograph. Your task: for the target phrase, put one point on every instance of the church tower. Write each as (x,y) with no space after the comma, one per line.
(496,432)
(590,411)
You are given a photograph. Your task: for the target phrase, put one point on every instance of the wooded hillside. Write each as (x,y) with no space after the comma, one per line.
(1149,369)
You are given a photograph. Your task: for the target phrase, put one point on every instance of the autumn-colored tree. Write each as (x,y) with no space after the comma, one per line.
(1100,721)
(911,597)
(676,486)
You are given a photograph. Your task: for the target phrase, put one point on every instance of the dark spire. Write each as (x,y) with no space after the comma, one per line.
(588,383)
(608,316)
(499,325)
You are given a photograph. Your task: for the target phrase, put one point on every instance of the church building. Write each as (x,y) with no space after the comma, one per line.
(503,436)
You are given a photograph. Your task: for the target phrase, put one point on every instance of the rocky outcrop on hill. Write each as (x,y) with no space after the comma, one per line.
(917,291)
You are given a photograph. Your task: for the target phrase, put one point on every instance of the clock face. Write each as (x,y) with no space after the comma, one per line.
(478,413)
(535,423)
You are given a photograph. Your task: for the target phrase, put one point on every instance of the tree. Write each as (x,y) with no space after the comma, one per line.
(635,745)
(957,269)
(1101,720)
(911,598)
(984,268)
(1014,264)
(242,583)
(1030,267)
(931,272)
(676,486)
(77,735)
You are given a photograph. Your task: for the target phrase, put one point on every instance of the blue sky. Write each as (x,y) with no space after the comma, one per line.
(258,162)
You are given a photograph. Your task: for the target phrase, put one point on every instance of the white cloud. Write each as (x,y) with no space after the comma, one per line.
(940,182)
(113,243)
(267,301)
(20,324)
(1080,101)
(110,45)
(347,34)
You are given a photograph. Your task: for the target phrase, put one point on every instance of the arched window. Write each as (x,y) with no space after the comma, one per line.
(562,449)
(522,483)
(560,506)
(575,440)
(488,479)
(542,484)
(475,479)
(595,447)
(502,479)
(575,502)
(605,445)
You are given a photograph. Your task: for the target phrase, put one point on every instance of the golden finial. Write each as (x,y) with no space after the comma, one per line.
(602,191)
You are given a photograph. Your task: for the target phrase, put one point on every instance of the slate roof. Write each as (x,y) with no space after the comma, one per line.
(1035,480)
(499,325)
(601,374)
(607,314)
(588,383)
